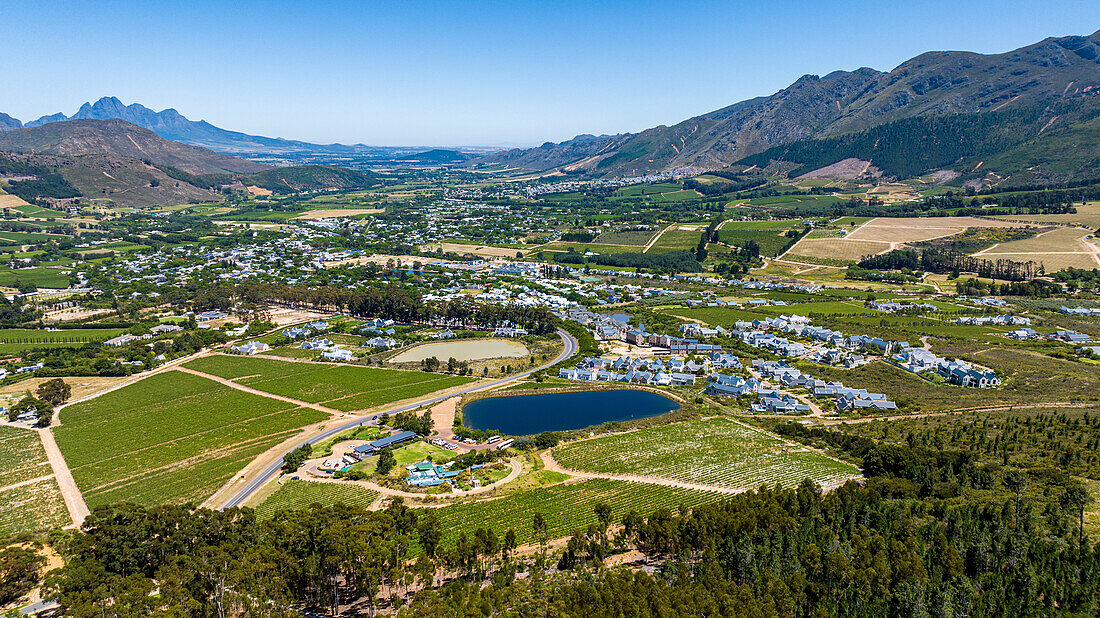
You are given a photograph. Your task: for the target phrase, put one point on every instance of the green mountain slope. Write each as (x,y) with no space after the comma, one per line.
(76,138)
(1037,144)
(932,84)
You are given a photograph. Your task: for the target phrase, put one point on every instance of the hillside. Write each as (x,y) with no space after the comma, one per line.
(120,164)
(310,178)
(934,83)
(7,122)
(172,125)
(1040,144)
(435,156)
(117,138)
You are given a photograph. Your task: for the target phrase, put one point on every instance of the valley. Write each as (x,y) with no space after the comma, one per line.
(832,351)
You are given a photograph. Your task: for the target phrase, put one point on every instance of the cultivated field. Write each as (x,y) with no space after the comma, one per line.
(481,250)
(566,507)
(300,494)
(1087,215)
(16,340)
(343,387)
(26,503)
(338,212)
(835,249)
(907,230)
(582,247)
(81,386)
(170,438)
(767,234)
(713,451)
(464,350)
(11,201)
(1057,249)
(638,238)
(677,239)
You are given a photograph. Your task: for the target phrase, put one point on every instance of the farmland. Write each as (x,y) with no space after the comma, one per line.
(844,249)
(1056,249)
(43,277)
(343,387)
(594,248)
(300,494)
(678,239)
(633,237)
(907,230)
(1087,215)
(713,451)
(15,340)
(26,503)
(566,507)
(770,239)
(170,438)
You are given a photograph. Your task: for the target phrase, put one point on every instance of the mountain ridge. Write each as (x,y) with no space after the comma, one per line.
(932,83)
(115,137)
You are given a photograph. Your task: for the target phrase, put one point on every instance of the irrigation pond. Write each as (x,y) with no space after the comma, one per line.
(520,415)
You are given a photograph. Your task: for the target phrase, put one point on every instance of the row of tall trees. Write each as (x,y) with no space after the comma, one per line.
(395,302)
(942,260)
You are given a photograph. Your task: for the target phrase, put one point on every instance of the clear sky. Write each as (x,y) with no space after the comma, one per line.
(474,73)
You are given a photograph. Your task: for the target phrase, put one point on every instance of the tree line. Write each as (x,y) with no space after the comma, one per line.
(394,302)
(945,260)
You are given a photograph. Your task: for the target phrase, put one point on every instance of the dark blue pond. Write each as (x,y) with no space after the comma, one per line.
(530,414)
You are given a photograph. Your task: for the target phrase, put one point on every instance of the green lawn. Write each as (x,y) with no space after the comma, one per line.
(714,451)
(343,387)
(33,506)
(170,438)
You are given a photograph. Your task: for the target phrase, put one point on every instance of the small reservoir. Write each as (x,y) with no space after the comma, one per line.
(521,415)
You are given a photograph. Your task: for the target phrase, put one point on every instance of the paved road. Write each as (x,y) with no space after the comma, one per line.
(272,470)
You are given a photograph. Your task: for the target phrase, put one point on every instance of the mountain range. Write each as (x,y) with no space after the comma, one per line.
(931,84)
(132,166)
(172,125)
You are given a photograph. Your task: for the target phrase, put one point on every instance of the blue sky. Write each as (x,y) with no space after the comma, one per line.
(465,73)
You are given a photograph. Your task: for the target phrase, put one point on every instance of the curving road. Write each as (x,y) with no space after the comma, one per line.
(272,470)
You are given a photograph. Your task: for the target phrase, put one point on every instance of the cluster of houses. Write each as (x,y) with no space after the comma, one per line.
(891,306)
(798,325)
(655,371)
(847,398)
(127,339)
(377,326)
(305,330)
(249,348)
(1071,336)
(998,320)
(958,372)
(1083,311)
(508,330)
(360,453)
(328,349)
(428,474)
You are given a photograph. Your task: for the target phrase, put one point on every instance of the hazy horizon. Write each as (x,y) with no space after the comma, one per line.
(490,74)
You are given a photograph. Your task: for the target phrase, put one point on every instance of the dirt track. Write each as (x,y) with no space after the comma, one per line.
(253,391)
